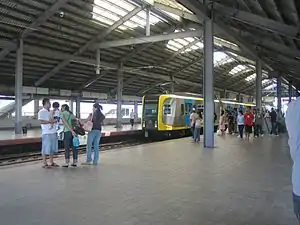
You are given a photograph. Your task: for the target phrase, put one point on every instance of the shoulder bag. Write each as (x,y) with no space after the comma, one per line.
(88,125)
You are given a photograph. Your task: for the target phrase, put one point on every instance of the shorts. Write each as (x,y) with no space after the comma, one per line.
(296,201)
(49,144)
(248,129)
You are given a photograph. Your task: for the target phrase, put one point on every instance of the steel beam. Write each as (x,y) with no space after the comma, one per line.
(279,48)
(202,14)
(78,100)
(208,83)
(148,32)
(172,84)
(91,81)
(290,91)
(279,93)
(95,39)
(178,12)
(150,39)
(19,88)
(119,96)
(258,88)
(256,20)
(39,21)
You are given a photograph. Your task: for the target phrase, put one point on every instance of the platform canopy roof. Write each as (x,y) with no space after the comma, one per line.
(62,37)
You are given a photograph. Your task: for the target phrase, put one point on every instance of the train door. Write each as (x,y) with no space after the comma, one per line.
(188,108)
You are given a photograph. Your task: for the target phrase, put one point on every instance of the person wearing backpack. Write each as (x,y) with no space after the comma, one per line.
(67,118)
(94,135)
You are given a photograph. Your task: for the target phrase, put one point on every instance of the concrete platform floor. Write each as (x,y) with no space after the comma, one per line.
(167,183)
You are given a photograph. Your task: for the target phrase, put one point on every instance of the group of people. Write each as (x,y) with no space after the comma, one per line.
(248,122)
(50,123)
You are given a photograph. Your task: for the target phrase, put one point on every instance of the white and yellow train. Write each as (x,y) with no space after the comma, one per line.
(170,113)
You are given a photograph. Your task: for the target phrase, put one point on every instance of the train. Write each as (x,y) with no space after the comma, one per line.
(169,114)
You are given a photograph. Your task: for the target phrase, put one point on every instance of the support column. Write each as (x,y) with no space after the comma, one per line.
(135,109)
(119,96)
(208,78)
(78,99)
(98,66)
(279,93)
(36,106)
(172,84)
(18,88)
(72,106)
(290,91)
(148,32)
(258,92)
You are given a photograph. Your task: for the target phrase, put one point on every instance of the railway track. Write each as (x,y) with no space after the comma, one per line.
(10,159)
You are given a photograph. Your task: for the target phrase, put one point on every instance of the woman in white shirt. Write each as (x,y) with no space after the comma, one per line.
(198,123)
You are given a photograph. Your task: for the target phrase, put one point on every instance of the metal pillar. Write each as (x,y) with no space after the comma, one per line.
(78,99)
(279,93)
(36,106)
(172,84)
(72,106)
(135,108)
(208,78)
(98,66)
(290,91)
(148,22)
(119,96)
(258,88)
(19,88)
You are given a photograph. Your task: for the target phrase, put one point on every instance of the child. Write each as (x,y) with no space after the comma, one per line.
(55,115)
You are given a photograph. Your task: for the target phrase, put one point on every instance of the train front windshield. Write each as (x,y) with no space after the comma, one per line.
(150,112)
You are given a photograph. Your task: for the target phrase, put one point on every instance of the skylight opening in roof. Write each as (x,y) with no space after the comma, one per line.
(107,12)
(182,43)
(271,86)
(221,58)
(237,69)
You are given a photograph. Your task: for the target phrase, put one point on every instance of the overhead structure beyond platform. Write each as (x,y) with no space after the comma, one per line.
(158,42)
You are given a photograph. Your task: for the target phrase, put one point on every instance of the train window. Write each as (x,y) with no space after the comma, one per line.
(188,108)
(167,109)
(182,109)
(127,112)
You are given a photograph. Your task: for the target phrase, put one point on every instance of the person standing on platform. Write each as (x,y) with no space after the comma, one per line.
(93,139)
(49,134)
(248,117)
(258,123)
(193,117)
(235,115)
(132,118)
(241,123)
(273,118)
(222,119)
(292,121)
(197,130)
(67,118)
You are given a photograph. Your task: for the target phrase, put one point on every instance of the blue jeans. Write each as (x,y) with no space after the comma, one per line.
(93,141)
(197,134)
(274,128)
(296,201)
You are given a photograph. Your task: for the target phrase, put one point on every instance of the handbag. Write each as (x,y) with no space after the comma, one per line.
(76,142)
(88,125)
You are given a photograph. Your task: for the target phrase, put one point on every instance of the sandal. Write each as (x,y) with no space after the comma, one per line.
(54,165)
(46,166)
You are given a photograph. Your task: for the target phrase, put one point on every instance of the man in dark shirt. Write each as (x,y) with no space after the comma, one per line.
(273,117)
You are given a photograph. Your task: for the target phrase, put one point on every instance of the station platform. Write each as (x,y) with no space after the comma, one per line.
(8,138)
(173,182)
